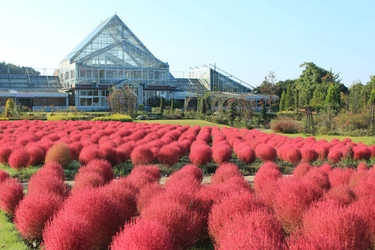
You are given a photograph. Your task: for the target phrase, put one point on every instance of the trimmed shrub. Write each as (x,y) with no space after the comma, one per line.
(328,221)
(200,154)
(285,125)
(60,153)
(34,211)
(67,231)
(37,154)
(133,236)
(75,149)
(89,153)
(142,155)
(334,156)
(256,230)
(293,155)
(123,194)
(102,167)
(3,175)
(340,176)
(293,198)
(146,193)
(169,154)
(221,153)
(224,172)
(221,214)
(246,154)
(99,211)
(361,153)
(5,152)
(309,155)
(301,169)
(11,193)
(266,152)
(109,153)
(265,182)
(19,158)
(44,184)
(341,193)
(87,179)
(180,222)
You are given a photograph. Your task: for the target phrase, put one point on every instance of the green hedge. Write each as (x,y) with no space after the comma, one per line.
(67,118)
(115,117)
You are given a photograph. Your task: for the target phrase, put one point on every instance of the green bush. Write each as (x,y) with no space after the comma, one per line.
(286,125)
(67,118)
(115,117)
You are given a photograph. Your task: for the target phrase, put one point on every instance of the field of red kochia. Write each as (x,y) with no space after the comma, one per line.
(317,207)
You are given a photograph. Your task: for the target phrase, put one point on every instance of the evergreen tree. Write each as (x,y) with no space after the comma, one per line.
(282,102)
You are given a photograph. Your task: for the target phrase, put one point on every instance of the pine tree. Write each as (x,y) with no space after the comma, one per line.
(282,102)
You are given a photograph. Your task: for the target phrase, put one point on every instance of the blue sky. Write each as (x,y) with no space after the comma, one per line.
(247,39)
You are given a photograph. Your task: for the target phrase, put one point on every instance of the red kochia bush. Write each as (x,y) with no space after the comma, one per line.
(34,211)
(60,153)
(47,184)
(5,152)
(293,198)
(11,193)
(67,231)
(89,153)
(37,154)
(265,182)
(309,155)
(19,158)
(200,154)
(99,211)
(169,154)
(224,172)
(256,230)
(102,167)
(301,169)
(246,154)
(361,153)
(143,235)
(334,156)
(221,153)
(293,155)
(222,212)
(3,175)
(146,193)
(266,152)
(179,221)
(142,155)
(340,176)
(328,221)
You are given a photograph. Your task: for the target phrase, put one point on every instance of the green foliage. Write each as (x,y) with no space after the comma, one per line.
(14,69)
(68,118)
(333,99)
(282,102)
(122,101)
(9,236)
(115,117)
(372,97)
(232,112)
(161,105)
(286,125)
(10,108)
(60,153)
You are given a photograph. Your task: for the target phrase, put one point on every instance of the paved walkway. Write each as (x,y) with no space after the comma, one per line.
(206,180)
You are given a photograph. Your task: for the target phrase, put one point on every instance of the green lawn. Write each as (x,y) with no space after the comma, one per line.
(184,122)
(9,236)
(368,140)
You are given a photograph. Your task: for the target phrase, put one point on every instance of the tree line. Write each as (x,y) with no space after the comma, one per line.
(14,69)
(320,89)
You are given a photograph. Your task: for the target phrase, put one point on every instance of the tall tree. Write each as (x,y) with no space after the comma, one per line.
(333,99)
(282,102)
